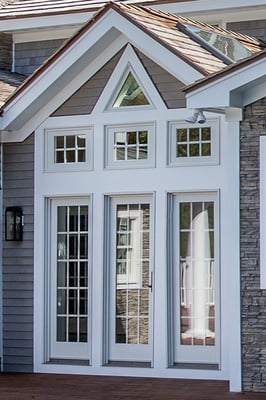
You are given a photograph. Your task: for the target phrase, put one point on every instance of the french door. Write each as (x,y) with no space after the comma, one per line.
(196,279)
(130,280)
(69,279)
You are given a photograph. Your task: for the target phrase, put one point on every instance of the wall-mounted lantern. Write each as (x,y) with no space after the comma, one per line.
(13,223)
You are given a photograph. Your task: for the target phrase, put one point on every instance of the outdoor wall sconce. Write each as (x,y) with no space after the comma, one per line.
(13,224)
(197,116)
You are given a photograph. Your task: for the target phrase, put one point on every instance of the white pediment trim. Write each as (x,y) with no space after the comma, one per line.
(62,76)
(129,62)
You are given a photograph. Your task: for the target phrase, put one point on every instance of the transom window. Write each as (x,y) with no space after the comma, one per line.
(130,146)
(68,149)
(194,144)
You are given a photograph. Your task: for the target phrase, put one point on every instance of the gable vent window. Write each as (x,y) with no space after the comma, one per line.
(192,145)
(68,149)
(130,94)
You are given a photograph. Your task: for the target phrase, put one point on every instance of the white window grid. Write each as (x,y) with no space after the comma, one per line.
(193,144)
(130,146)
(68,149)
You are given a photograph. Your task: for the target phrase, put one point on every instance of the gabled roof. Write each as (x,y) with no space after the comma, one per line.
(168,30)
(10,9)
(125,23)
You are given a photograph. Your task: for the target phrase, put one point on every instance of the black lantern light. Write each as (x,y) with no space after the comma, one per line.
(13,224)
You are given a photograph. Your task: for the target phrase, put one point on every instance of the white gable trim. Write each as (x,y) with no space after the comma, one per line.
(235,89)
(60,79)
(128,62)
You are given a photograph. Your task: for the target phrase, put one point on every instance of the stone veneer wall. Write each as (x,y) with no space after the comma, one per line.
(253,298)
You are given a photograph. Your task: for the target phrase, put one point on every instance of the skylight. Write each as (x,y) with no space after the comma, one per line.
(230,47)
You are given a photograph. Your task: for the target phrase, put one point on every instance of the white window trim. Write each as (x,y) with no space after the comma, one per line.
(181,353)
(149,162)
(52,348)
(49,163)
(214,159)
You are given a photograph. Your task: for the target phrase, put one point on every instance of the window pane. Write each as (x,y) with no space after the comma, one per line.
(181,135)
(70,156)
(70,141)
(197,311)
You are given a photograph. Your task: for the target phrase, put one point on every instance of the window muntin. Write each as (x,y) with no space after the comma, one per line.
(72,274)
(68,149)
(193,144)
(130,146)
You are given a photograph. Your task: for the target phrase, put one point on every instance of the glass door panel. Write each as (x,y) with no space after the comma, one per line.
(131,283)
(196,275)
(69,311)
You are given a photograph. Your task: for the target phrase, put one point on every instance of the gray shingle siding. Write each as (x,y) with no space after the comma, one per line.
(84,100)
(253,298)
(29,56)
(18,186)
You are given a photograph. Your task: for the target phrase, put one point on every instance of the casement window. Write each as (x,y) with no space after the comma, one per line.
(195,280)
(130,146)
(68,280)
(68,149)
(194,144)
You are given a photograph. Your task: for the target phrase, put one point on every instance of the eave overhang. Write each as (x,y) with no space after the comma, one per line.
(235,86)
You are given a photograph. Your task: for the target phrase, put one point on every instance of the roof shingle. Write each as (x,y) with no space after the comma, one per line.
(9,82)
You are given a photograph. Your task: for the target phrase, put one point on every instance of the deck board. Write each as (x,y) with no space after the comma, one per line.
(77,387)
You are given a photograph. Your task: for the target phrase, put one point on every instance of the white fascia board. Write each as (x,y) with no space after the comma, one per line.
(31,123)
(92,42)
(99,37)
(217,93)
(48,21)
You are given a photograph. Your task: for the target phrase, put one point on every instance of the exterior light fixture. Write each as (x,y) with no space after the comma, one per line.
(13,224)
(197,116)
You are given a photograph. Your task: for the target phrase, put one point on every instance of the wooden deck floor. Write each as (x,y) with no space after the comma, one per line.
(72,387)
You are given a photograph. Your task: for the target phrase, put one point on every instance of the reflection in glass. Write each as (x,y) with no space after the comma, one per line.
(132,273)
(130,94)
(197,292)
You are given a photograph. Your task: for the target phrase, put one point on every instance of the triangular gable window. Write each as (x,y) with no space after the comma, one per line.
(131,94)
(129,87)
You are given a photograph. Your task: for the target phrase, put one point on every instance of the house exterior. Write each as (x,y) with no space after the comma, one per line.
(131,237)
